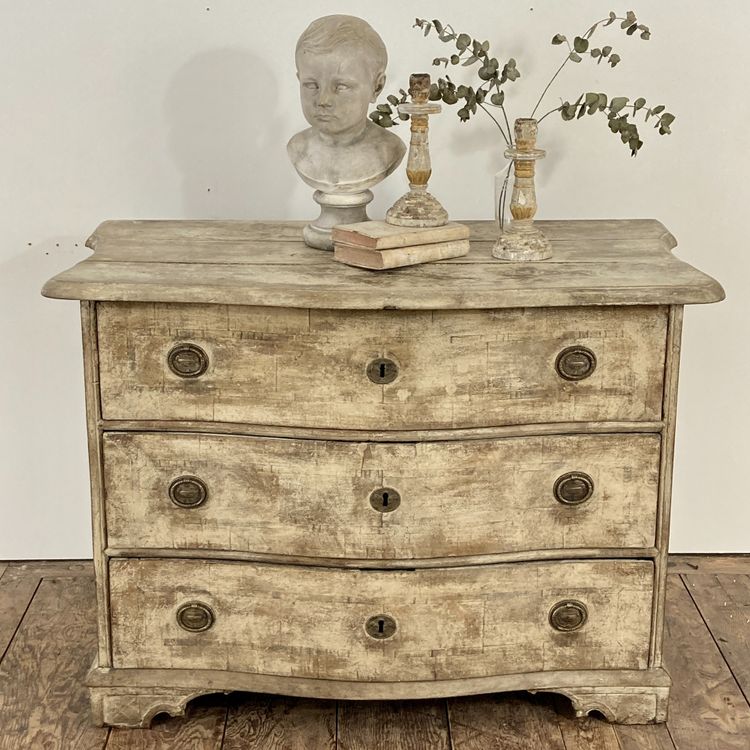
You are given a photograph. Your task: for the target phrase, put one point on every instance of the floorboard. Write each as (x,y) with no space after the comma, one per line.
(16,592)
(707,710)
(43,703)
(511,721)
(47,639)
(270,722)
(724,603)
(411,725)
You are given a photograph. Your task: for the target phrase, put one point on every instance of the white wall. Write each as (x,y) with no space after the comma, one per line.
(180,108)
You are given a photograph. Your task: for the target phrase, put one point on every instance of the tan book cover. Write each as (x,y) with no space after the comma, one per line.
(378,235)
(380,260)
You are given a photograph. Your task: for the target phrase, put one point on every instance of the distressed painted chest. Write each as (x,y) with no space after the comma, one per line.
(315,480)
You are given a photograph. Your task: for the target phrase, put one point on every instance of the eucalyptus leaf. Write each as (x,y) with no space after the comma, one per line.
(631,30)
(575,57)
(639,104)
(498,98)
(463,41)
(614,59)
(558,39)
(596,53)
(470,60)
(606,50)
(580,44)
(438,26)
(618,103)
(612,18)
(455,59)
(427,28)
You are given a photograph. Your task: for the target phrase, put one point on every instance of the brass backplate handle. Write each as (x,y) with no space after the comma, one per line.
(187,360)
(573,488)
(575,363)
(195,617)
(568,615)
(188,491)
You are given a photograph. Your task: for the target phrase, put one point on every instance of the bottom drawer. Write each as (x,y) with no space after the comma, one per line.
(438,623)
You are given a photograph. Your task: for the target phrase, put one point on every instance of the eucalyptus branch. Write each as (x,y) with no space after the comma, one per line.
(502,132)
(546,88)
(490,93)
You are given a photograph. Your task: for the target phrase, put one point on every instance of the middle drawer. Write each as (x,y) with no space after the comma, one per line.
(379,501)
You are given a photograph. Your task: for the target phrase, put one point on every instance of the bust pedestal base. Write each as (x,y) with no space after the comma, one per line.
(335,208)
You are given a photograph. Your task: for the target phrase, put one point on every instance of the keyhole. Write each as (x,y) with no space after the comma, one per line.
(380,626)
(385,499)
(382,371)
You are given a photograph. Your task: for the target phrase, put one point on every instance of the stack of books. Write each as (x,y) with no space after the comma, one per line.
(378,246)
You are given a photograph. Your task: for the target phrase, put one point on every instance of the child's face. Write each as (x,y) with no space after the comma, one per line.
(336,90)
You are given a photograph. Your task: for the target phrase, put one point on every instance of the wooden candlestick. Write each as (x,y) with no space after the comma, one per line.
(418,208)
(522,240)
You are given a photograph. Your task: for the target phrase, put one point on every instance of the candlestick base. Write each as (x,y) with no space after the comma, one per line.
(417,208)
(522,241)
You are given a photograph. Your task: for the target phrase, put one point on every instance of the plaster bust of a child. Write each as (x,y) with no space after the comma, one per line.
(341,64)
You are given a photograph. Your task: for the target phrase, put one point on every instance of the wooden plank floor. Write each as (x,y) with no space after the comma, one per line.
(47,639)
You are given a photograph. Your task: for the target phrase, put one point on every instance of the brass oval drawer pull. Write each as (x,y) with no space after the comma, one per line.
(382,370)
(385,499)
(575,363)
(568,615)
(195,617)
(573,488)
(380,627)
(188,492)
(187,360)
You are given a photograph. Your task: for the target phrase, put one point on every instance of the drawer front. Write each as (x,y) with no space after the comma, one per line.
(380,370)
(380,500)
(381,625)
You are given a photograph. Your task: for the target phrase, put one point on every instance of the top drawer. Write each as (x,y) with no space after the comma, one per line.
(380,370)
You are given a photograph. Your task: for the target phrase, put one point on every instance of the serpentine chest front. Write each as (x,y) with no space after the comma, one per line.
(316,480)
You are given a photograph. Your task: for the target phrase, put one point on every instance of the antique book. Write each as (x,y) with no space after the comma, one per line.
(378,235)
(396,257)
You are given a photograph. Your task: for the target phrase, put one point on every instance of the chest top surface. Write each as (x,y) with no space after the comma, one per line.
(594,262)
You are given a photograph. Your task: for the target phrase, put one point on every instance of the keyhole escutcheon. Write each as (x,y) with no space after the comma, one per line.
(385,499)
(380,627)
(382,370)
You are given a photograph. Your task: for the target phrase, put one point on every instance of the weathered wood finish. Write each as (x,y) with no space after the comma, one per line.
(452,623)
(291,427)
(267,264)
(312,498)
(94,438)
(309,367)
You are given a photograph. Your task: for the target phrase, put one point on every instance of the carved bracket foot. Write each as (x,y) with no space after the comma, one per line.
(124,707)
(626,705)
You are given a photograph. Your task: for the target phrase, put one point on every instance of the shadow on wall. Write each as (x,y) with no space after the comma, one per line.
(227,146)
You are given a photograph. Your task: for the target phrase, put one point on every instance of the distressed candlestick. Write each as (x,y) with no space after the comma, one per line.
(522,240)
(418,208)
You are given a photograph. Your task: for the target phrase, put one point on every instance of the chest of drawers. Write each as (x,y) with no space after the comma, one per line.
(315,480)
